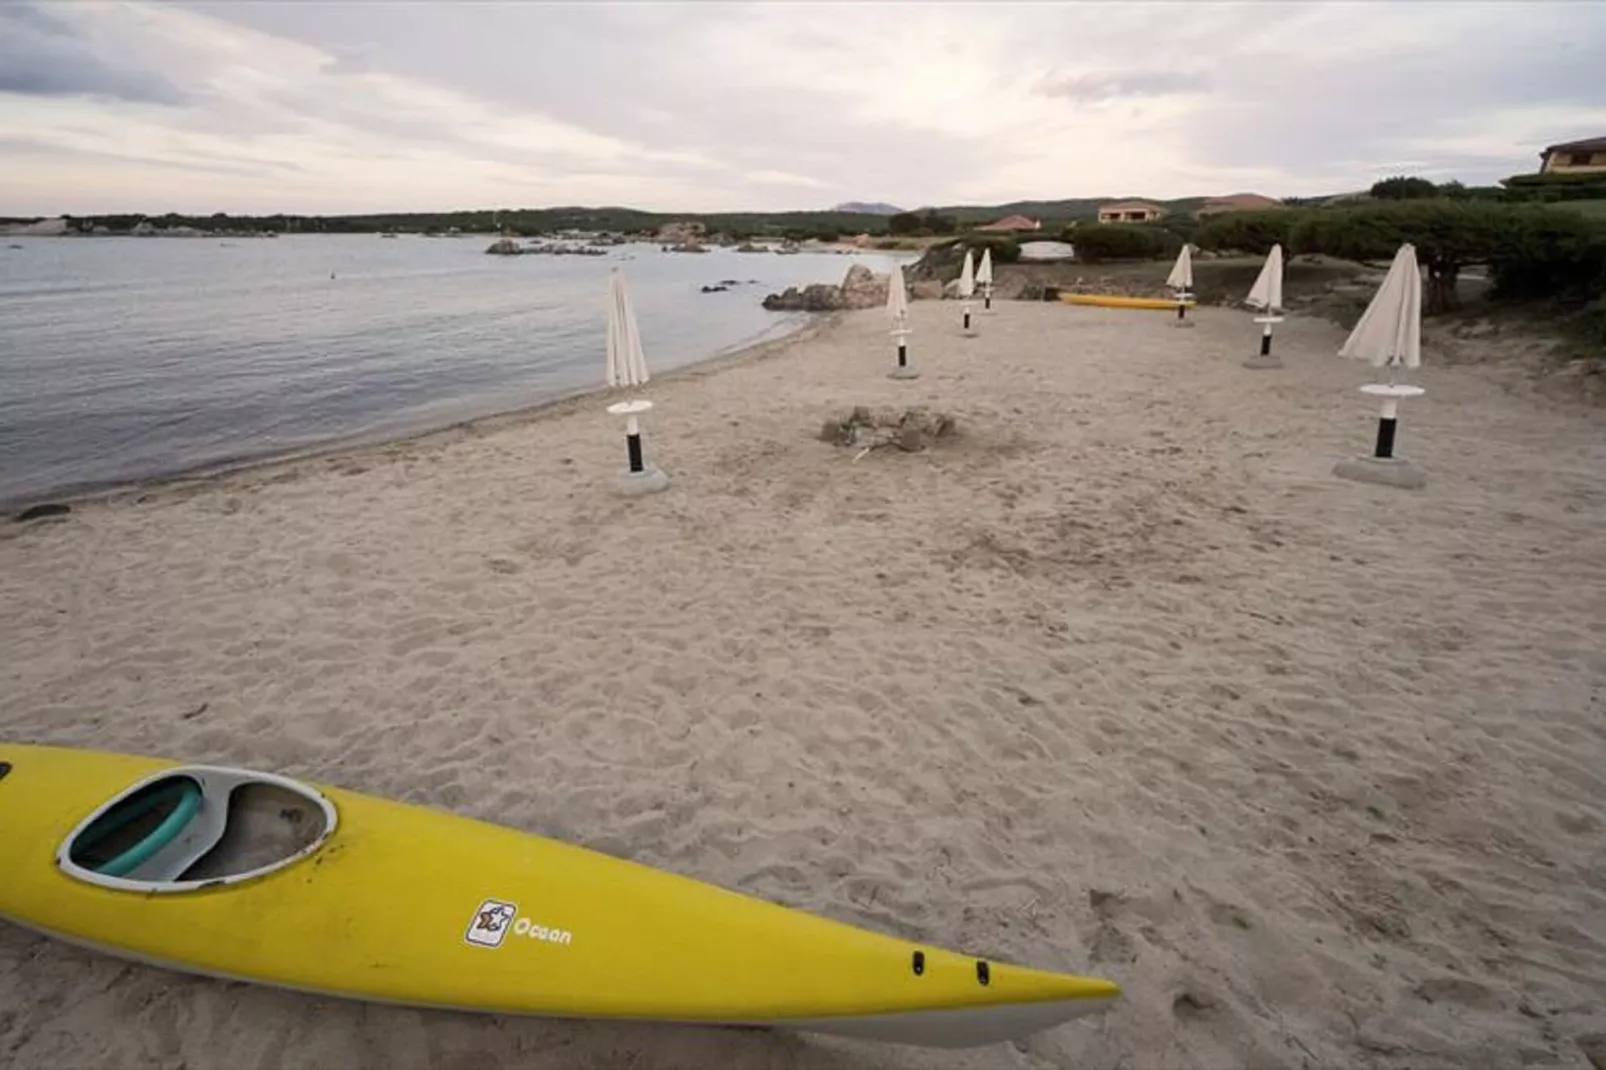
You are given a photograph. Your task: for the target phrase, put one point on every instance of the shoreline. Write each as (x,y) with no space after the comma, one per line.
(363,444)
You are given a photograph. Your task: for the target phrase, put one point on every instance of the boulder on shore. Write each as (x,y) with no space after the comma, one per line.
(860,288)
(504,247)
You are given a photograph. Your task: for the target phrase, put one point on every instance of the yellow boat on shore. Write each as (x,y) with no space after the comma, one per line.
(1116,301)
(255,877)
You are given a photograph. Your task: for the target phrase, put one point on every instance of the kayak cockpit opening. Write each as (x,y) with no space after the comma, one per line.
(194,827)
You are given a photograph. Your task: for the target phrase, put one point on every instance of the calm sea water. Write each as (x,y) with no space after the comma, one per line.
(127,358)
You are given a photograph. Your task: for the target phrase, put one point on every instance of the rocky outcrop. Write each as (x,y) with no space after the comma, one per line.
(558,249)
(863,288)
(504,247)
(926,290)
(816,297)
(681,233)
(860,288)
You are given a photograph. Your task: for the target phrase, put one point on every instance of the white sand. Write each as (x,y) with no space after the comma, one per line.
(1123,682)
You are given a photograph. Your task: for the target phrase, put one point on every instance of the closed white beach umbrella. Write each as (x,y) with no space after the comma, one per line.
(1181,280)
(897,297)
(1181,277)
(1267,294)
(627,367)
(984,279)
(1389,335)
(627,364)
(898,313)
(967,286)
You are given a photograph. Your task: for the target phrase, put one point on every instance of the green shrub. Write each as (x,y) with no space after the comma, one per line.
(1006,249)
(1098,242)
(1559,179)
(1401,188)
(1550,253)
(1249,232)
(1532,251)
(1185,228)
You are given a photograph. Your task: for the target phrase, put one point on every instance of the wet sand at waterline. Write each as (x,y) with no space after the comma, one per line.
(1120,681)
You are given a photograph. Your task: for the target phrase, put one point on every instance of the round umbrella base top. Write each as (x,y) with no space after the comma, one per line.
(1392,390)
(1260,363)
(1385,471)
(1269,319)
(649,480)
(629,408)
(905,372)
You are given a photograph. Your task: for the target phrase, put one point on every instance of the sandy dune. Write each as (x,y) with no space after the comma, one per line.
(1122,681)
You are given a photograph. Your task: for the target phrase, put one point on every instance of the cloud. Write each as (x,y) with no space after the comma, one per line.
(1096,87)
(695,106)
(42,55)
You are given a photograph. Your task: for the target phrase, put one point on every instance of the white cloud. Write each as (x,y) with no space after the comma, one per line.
(376,106)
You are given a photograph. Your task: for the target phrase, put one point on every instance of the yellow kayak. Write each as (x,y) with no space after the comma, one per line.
(257,877)
(1114,301)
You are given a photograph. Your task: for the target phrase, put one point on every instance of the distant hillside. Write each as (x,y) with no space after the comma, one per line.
(868,208)
(851,218)
(1075,208)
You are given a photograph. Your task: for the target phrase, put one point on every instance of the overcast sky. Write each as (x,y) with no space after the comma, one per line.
(312,107)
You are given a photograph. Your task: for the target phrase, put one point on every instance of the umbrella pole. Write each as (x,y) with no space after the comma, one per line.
(1265,339)
(633,444)
(967,316)
(1385,429)
(987,298)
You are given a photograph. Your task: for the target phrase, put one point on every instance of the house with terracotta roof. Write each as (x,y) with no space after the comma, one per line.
(1013,223)
(1130,212)
(1238,202)
(1574,158)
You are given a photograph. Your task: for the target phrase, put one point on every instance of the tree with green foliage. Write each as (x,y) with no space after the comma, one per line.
(1447,235)
(1401,188)
(927,222)
(1531,251)
(1249,232)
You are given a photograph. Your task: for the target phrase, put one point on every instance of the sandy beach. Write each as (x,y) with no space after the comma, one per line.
(1120,681)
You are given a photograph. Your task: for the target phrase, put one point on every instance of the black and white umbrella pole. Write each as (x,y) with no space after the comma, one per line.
(903,370)
(1183,297)
(1382,466)
(966,317)
(1265,358)
(986,298)
(1386,424)
(633,445)
(638,477)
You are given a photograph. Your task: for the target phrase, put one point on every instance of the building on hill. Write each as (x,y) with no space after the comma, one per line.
(1013,224)
(1130,212)
(1574,158)
(1237,202)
